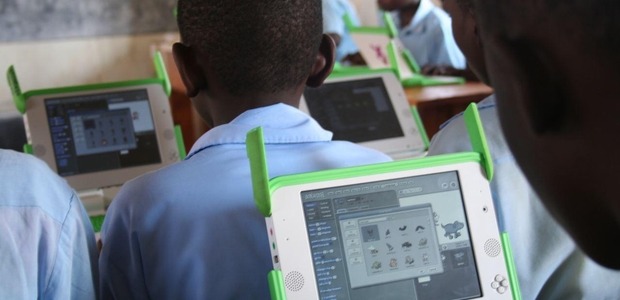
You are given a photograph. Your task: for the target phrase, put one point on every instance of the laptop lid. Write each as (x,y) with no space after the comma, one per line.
(381,49)
(412,229)
(370,109)
(102,137)
(427,233)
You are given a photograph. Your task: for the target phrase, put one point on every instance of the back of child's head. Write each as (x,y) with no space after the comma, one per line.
(554,67)
(254,46)
(591,26)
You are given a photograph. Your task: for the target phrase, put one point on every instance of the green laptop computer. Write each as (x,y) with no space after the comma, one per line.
(412,229)
(381,49)
(99,136)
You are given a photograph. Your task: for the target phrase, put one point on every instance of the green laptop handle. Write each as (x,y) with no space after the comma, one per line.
(19,97)
(511,267)
(255,147)
(388,22)
(276,285)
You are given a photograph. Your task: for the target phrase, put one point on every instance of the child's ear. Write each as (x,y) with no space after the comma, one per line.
(324,62)
(189,69)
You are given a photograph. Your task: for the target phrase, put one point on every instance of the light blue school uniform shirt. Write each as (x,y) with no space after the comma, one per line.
(548,263)
(47,244)
(429,37)
(192,230)
(333,13)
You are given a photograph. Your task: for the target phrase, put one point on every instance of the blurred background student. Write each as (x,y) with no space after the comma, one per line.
(333,25)
(425,30)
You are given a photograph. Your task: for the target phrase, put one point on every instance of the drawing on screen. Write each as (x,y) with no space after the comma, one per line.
(452,229)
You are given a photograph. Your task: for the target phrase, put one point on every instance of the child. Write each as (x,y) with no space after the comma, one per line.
(554,67)
(47,244)
(425,30)
(548,263)
(333,25)
(192,231)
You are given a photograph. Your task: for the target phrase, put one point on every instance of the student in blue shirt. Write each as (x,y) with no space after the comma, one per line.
(424,29)
(554,67)
(333,25)
(47,244)
(549,264)
(191,230)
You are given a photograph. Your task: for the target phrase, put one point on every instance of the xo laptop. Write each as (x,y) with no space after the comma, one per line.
(412,229)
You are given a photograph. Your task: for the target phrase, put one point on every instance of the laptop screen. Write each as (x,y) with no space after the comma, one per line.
(104,131)
(355,111)
(404,238)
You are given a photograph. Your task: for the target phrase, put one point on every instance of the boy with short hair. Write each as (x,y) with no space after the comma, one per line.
(554,67)
(548,263)
(191,230)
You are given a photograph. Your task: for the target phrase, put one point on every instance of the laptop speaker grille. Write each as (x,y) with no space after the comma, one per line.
(294,281)
(492,247)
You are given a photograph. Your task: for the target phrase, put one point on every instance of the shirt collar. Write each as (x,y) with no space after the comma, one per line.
(281,124)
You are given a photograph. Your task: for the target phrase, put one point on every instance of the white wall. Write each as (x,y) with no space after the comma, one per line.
(46,64)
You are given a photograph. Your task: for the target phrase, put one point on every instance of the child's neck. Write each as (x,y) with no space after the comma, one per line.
(406,14)
(224,108)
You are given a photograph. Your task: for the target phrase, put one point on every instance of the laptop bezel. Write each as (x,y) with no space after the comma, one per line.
(40,136)
(411,143)
(288,233)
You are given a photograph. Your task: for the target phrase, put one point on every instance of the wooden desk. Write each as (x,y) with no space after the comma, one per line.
(437,104)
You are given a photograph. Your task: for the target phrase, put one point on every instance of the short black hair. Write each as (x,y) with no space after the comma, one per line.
(254,46)
(592,25)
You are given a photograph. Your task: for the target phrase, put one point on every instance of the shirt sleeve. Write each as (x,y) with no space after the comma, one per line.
(77,255)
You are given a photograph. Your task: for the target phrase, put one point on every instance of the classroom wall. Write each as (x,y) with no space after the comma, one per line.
(45,64)
(63,62)
(71,42)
